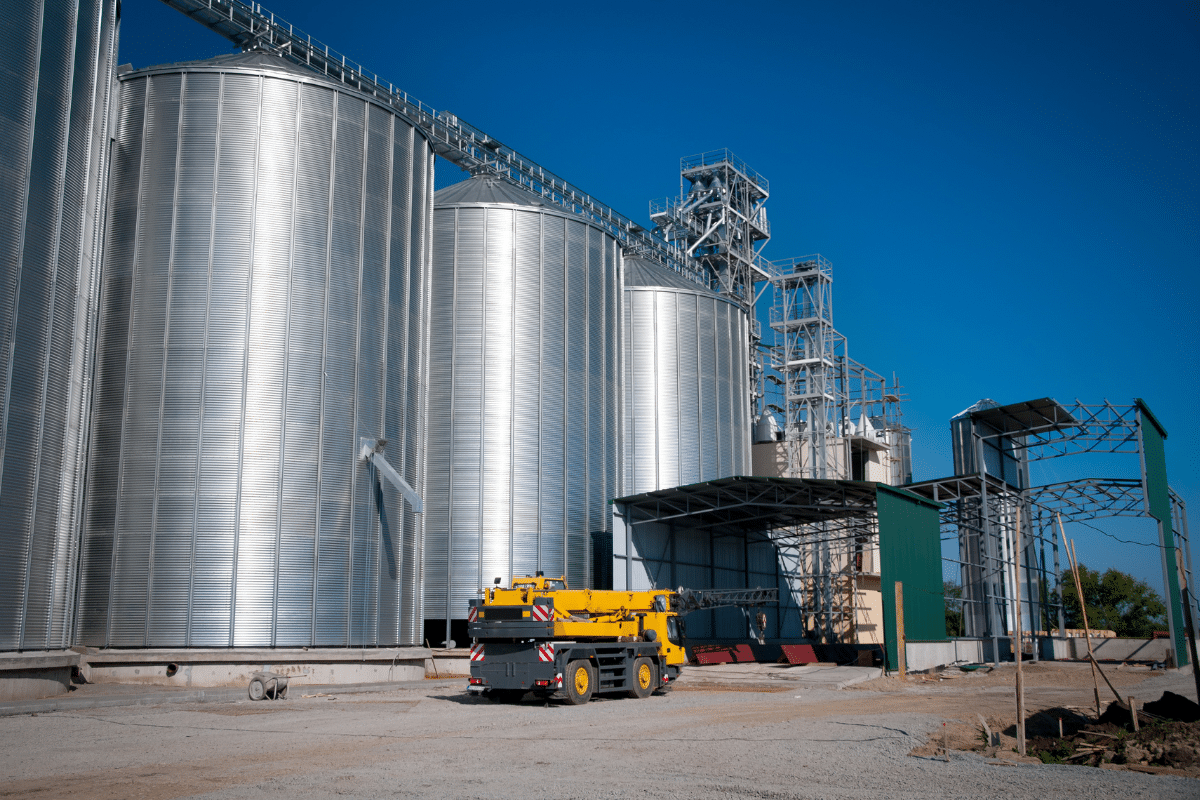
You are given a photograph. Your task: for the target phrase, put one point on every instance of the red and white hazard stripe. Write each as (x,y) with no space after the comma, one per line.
(543,613)
(545,652)
(477,652)
(472,613)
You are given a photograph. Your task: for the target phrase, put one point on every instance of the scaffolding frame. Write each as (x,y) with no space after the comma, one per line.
(835,413)
(832,405)
(823,566)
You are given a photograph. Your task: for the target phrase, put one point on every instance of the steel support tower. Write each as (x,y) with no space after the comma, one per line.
(808,355)
(720,220)
(833,406)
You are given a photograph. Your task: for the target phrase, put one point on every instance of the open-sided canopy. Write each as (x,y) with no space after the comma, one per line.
(753,502)
(1028,417)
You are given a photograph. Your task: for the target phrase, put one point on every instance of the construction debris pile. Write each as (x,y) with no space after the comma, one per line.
(1165,737)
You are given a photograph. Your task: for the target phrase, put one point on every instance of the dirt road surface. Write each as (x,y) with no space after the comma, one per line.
(737,733)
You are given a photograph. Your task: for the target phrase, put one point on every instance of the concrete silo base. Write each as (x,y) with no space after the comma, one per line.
(202,668)
(28,676)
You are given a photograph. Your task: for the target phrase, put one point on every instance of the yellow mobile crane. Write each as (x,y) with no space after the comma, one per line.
(539,636)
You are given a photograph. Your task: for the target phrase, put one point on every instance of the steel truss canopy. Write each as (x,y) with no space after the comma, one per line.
(1074,500)
(756,503)
(1054,430)
(991,517)
(1091,498)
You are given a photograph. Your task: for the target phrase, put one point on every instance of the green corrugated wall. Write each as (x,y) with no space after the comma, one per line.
(1158,504)
(910,551)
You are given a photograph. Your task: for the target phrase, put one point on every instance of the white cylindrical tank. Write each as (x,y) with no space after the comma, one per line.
(263,308)
(524,404)
(687,381)
(54,111)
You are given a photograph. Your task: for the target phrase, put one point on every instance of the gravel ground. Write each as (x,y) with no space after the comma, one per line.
(753,739)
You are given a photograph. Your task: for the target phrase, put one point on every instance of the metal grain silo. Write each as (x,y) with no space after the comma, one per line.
(687,382)
(523,391)
(54,114)
(263,307)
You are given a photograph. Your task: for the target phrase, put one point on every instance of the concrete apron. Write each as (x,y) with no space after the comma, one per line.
(25,676)
(454,663)
(203,668)
(779,676)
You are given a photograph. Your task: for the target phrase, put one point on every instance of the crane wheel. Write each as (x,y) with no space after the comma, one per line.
(645,678)
(580,682)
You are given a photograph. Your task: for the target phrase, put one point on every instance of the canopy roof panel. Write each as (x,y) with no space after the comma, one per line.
(754,503)
(1028,417)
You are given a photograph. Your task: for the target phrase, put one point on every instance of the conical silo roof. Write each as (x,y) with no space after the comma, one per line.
(253,59)
(640,272)
(485,189)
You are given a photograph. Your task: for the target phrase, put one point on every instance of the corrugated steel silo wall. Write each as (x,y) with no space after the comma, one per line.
(687,389)
(53,149)
(523,399)
(263,306)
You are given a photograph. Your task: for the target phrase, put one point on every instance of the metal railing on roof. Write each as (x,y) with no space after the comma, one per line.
(712,157)
(249,26)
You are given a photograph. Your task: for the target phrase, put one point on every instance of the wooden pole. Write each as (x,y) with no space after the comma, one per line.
(1087,635)
(1113,689)
(901,642)
(1018,646)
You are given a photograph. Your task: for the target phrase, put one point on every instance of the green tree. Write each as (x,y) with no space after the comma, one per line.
(954,609)
(1115,601)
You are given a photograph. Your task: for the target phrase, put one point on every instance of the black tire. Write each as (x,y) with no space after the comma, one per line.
(579,682)
(644,679)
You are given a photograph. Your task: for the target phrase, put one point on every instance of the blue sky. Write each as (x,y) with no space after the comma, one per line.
(1009,192)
